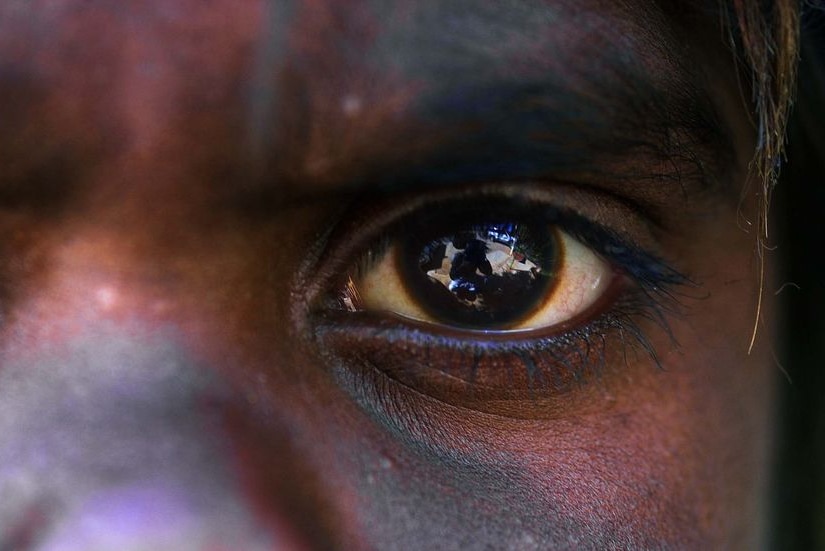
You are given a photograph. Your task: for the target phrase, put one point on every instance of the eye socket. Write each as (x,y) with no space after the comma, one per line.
(488,273)
(582,298)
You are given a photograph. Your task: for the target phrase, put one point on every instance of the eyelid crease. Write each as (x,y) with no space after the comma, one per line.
(375,215)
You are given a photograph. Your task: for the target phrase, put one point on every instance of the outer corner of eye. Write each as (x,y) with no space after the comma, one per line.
(488,276)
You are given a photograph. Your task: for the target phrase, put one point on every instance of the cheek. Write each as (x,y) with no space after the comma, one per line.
(676,456)
(681,452)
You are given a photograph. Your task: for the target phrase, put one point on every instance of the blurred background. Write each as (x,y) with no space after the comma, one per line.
(799,225)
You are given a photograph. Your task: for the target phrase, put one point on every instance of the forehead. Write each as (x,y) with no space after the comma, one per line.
(314,89)
(404,33)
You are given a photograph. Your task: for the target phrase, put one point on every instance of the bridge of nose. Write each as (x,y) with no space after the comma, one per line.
(148,327)
(146,319)
(153,308)
(120,366)
(113,418)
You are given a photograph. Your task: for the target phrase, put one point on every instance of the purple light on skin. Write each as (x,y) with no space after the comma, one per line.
(125,518)
(151,516)
(104,442)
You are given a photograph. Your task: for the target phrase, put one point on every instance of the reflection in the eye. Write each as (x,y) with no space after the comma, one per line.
(502,265)
(483,275)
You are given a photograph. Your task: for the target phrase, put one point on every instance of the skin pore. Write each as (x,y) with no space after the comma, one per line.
(185,184)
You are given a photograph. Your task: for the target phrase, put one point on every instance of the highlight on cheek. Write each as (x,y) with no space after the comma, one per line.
(496,276)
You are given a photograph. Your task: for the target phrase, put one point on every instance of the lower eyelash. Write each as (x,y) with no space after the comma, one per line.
(551,364)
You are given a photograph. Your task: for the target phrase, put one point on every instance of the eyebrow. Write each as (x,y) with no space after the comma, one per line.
(534,130)
(610,120)
(621,133)
(613,120)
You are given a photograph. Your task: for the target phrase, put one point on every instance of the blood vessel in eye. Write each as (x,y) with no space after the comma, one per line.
(482,275)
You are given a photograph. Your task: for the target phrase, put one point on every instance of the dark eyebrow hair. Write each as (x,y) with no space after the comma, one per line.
(613,129)
(620,127)
(624,110)
(474,120)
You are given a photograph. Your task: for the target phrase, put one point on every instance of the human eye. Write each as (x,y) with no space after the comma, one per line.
(480,270)
(487,296)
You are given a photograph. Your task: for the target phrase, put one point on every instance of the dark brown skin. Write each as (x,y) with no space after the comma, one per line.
(169,171)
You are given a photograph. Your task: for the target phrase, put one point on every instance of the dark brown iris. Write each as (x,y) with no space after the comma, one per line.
(481,276)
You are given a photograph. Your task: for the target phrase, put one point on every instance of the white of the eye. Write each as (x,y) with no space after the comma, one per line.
(582,280)
(381,289)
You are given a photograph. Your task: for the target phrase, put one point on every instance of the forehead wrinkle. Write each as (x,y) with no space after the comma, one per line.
(502,126)
(439,42)
(582,51)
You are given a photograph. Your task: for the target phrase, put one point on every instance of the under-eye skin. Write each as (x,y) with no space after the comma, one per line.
(481,300)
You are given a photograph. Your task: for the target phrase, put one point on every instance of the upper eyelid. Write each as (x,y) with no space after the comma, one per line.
(598,212)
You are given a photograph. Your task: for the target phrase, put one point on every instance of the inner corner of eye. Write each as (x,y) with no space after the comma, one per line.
(488,276)
(376,284)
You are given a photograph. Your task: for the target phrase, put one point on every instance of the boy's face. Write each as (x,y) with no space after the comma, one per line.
(184,185)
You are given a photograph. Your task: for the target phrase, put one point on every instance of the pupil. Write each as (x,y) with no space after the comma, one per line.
(483,276)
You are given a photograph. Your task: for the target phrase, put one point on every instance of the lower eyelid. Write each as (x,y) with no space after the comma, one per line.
(532,373)
(526,378)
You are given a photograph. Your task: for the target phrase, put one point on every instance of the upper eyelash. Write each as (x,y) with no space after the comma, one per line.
(335,250)
(652,273)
